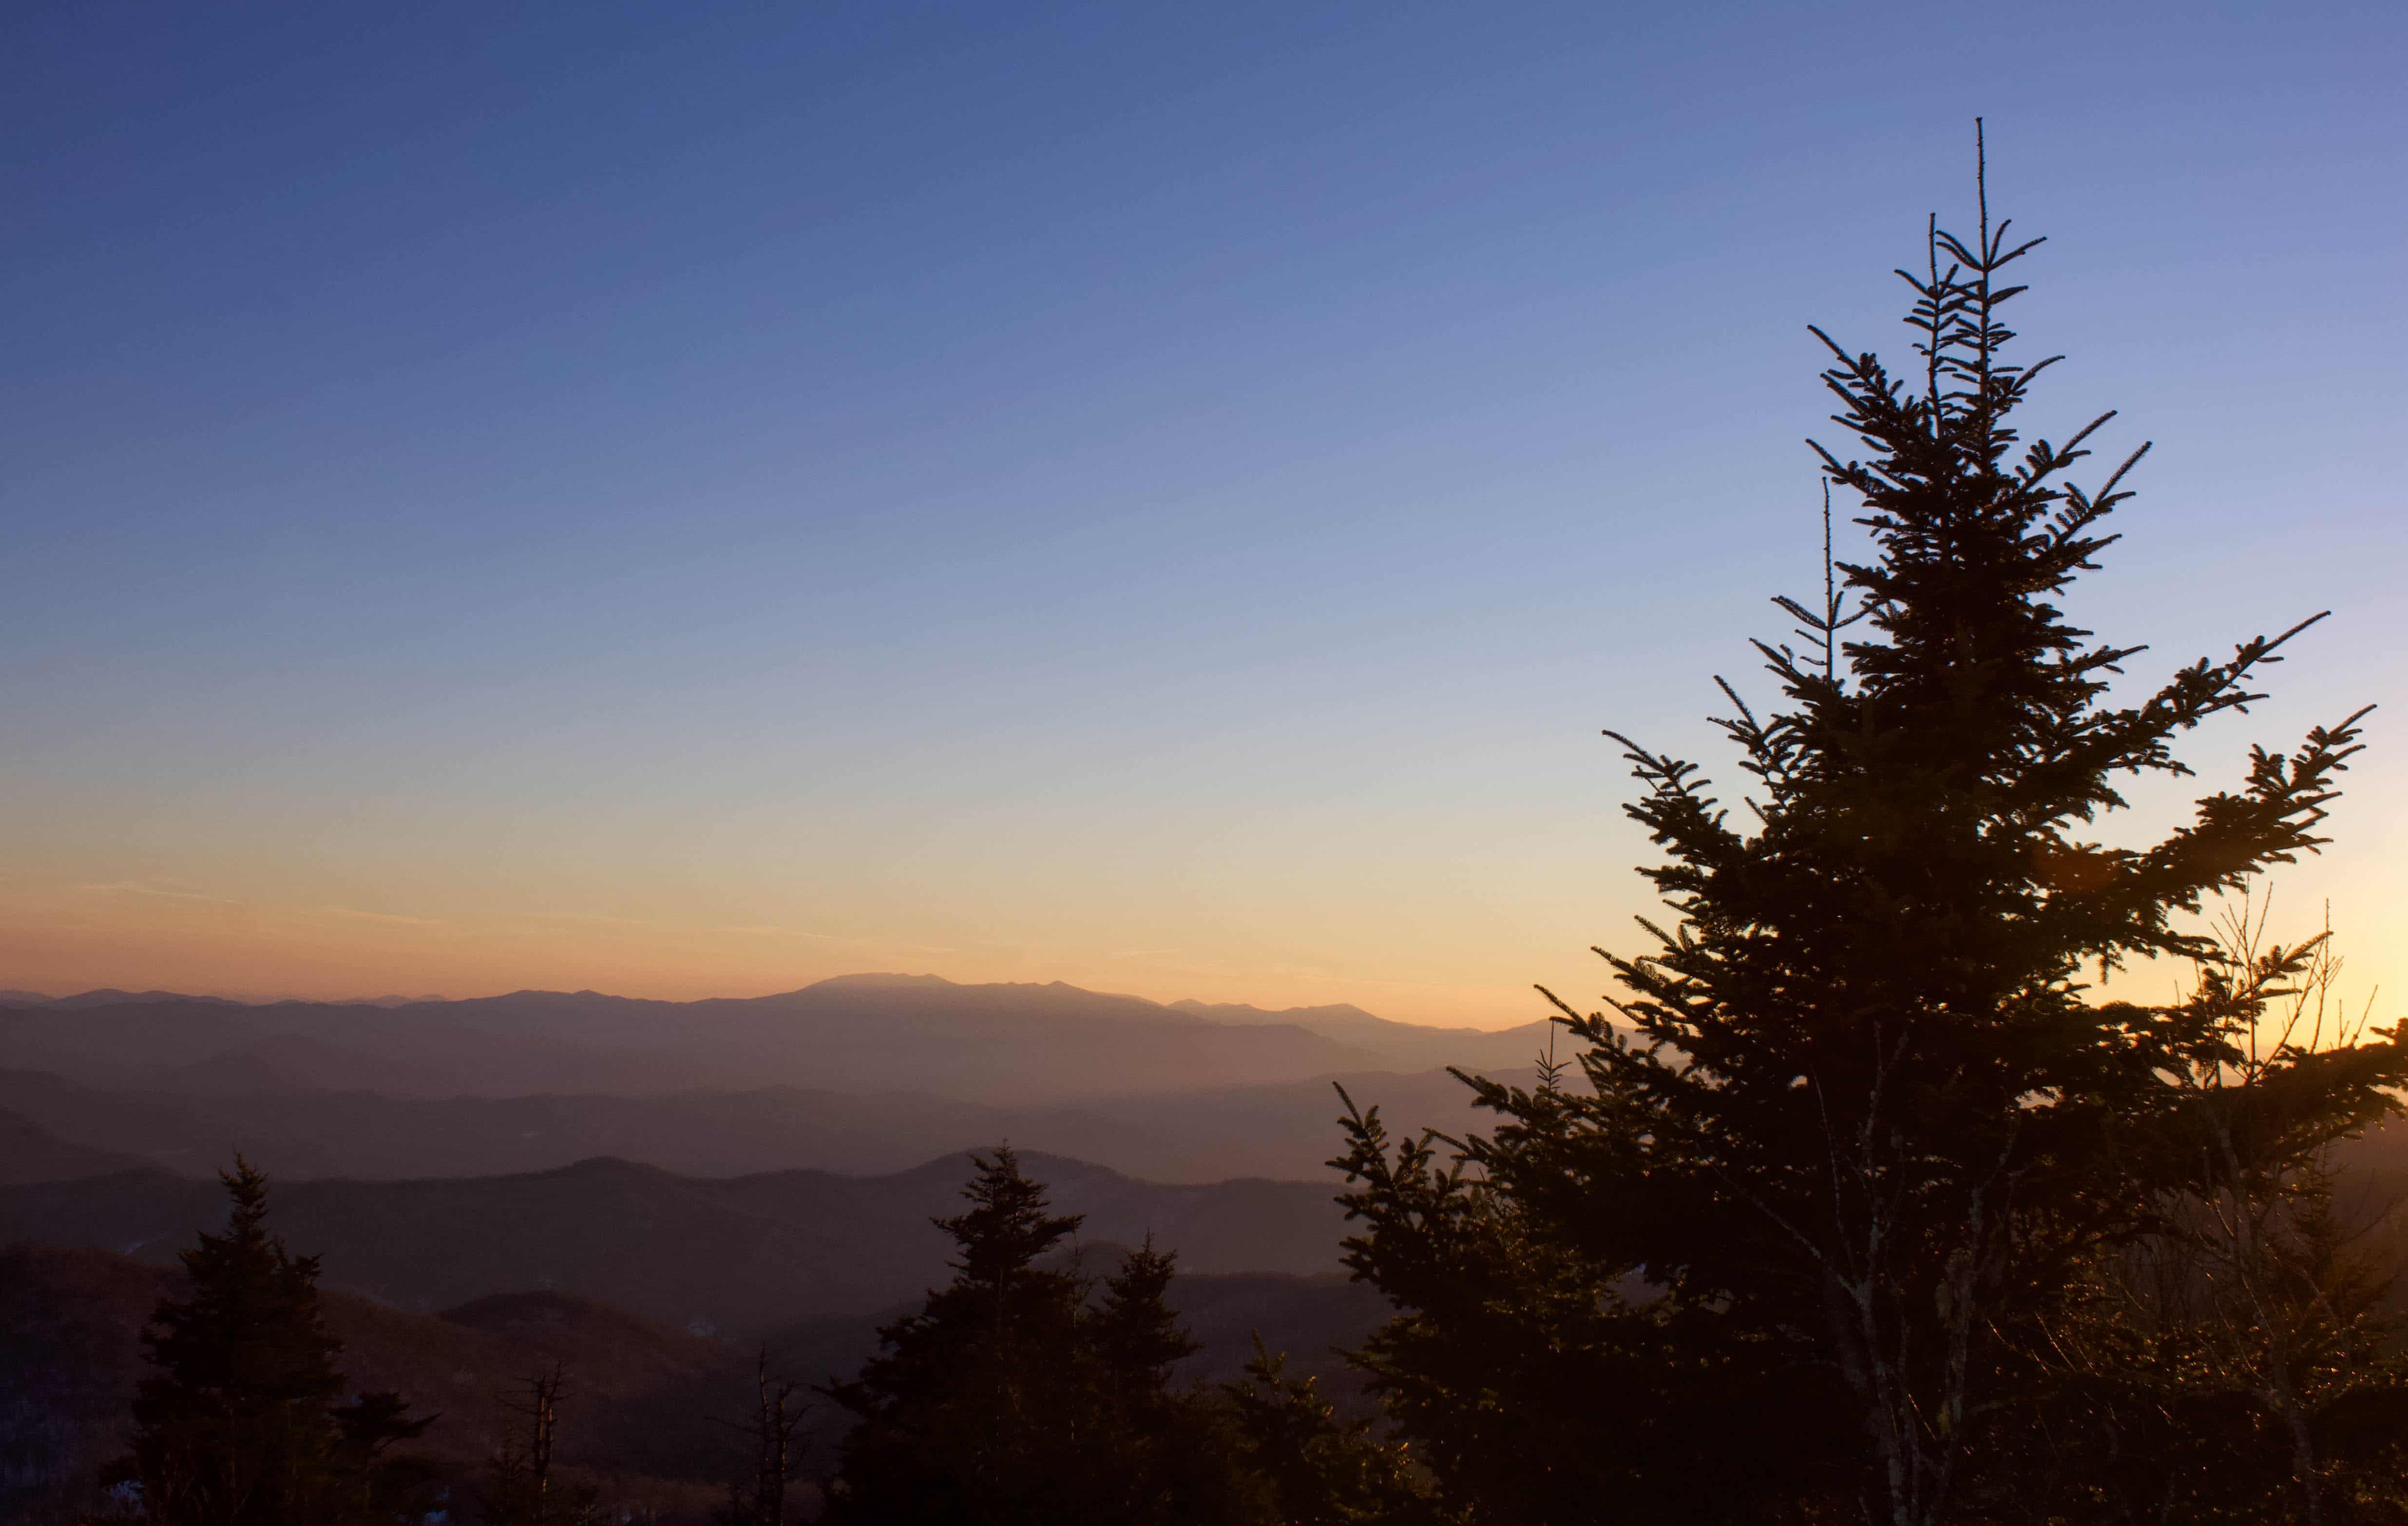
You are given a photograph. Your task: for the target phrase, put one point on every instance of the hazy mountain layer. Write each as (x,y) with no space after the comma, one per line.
(29,1154)
(1286,1130)
(739,1254)
(1404,1046)
(1002,1045)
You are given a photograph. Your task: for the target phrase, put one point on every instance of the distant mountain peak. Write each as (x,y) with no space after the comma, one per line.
(878,979)
(110,996)
(607,1168)
(1244,1011)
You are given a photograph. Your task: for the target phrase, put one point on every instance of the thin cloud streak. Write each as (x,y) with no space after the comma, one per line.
(158,891)
(379,916)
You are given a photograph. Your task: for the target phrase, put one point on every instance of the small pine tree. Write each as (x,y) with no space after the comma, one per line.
(240,1424)
(1136,1334)
(978,1408)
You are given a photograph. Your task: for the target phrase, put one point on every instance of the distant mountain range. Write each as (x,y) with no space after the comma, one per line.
(1004,1045)
(110,996)
(741,1255)
(29,1154)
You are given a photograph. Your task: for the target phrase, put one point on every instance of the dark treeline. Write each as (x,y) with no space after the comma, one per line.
(1025,1390)
(1862,1203)
(1018,1394)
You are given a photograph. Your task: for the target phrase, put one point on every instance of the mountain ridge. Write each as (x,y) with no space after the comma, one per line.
(997,1043)
(740,1254)
(1219,1011)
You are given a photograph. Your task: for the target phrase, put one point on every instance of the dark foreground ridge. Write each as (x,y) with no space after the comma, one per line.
(648,1399)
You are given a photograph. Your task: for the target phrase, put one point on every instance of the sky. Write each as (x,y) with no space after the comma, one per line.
(690,499)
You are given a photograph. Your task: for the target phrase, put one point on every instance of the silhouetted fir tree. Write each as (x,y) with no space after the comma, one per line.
(242,1423)
(978,1408)
(1137,1336)
(1136,1340)
(1169,1457)
(1012,1397)
(1866,1135)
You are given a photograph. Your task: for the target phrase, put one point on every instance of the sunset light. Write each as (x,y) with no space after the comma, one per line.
(1239,766)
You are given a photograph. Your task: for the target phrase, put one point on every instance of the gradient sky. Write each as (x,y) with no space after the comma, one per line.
(686,501)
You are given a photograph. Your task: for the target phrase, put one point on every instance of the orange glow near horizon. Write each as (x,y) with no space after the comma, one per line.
(160,936)
(172,934)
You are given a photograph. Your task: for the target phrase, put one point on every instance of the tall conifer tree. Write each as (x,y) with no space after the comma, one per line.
(241,1425)
(1862,1125)
(975,1409)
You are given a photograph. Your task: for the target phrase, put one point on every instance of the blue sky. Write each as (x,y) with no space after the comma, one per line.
(688,499)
